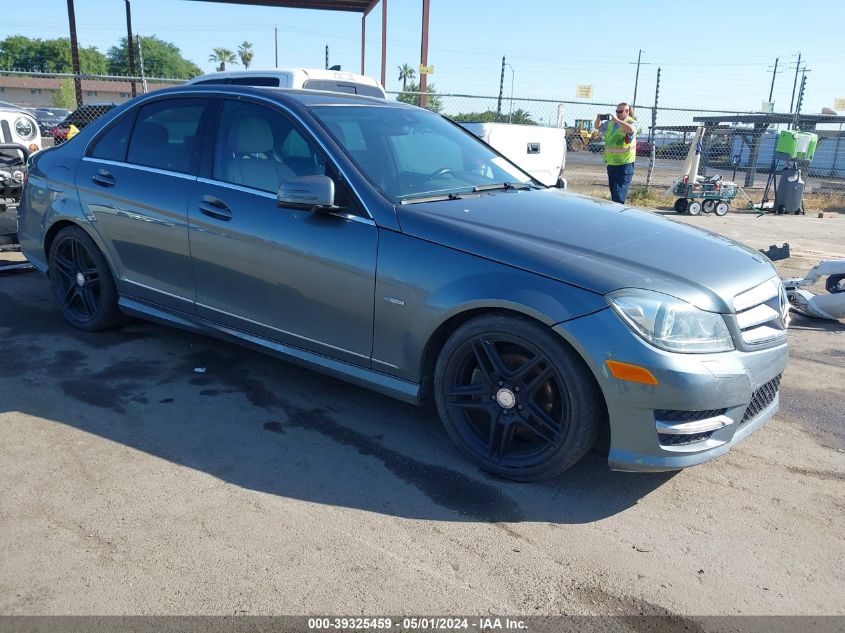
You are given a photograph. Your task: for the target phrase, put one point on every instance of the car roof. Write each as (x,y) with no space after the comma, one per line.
(300,73)
(307,98)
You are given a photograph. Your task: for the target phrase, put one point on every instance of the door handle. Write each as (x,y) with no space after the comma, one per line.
(104,179)
(215,208)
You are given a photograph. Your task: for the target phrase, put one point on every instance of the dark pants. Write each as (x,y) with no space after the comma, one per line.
(619,179)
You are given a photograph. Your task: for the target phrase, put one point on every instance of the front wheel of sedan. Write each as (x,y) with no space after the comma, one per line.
(82,282)
(516,398)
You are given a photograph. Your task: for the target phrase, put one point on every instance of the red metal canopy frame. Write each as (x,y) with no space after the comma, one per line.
(355,6)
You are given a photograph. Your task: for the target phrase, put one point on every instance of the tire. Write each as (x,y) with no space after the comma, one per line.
(708,206)
(694,208)
(577,145)
(722,209)
(82,282)
(516,399)
(681,205)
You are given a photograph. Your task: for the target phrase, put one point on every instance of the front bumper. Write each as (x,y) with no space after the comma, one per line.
(713,401)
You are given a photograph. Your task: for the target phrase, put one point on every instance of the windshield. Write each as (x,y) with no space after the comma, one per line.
(413,153)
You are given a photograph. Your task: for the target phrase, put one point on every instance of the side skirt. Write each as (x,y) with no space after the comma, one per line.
(361,376)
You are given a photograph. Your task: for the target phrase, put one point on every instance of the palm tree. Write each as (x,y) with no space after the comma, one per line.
(221,57)
(406,73)
(245,53)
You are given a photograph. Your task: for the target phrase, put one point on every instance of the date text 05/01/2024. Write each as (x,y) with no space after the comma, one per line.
(415,623)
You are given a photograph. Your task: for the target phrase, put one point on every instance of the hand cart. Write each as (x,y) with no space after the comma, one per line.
(711,195)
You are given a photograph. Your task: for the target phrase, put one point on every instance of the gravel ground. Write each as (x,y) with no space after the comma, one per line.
(131,484)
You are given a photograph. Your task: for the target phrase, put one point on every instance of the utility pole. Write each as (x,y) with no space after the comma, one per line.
(510,111)
(74,53)
(637,77)
(276,34)
(141,60)
(327,58)
(423,52)
(130,48)
(651,130)
(774,72)
(795,82)
(801,94)
(501,90)
(639,63)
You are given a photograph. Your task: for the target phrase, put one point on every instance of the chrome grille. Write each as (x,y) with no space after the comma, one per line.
(761,312)
(761,399)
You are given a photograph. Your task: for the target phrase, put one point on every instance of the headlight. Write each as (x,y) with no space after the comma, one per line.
(669,323)
(24,128)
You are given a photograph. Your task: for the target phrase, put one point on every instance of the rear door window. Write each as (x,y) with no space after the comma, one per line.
(112,145)
(165,135)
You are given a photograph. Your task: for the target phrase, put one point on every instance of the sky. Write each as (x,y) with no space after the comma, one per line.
(712,55)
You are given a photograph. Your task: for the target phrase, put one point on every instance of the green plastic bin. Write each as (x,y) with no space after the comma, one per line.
(796,145)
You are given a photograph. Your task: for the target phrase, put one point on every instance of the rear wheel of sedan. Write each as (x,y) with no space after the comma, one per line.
(516,398)
(82,282)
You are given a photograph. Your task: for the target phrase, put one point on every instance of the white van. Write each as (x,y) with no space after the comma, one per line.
(541,151)
(305,78)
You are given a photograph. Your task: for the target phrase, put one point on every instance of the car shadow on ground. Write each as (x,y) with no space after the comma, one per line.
(799,321)
(270,426)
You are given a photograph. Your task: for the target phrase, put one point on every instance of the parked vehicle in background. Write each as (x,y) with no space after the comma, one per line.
(48,119)
(79,118)
(581,134)
(541,151)
(383,244)
(597,146)
(19,137)
(644,147)
(297,78)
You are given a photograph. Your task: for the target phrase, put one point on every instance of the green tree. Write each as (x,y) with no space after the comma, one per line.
(246,54)
(221,57)
(488,116)
(520,116)
(161,59)
(65,96)
(49,56)
(433,101)
(406,73)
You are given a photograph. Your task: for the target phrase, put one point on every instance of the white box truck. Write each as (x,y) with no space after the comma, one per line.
(541,151)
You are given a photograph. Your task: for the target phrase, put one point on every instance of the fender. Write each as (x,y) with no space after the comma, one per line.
(406,316)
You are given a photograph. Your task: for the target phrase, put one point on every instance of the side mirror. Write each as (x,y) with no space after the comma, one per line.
(314,193)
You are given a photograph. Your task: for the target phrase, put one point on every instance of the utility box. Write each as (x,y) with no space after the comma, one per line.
(793,145)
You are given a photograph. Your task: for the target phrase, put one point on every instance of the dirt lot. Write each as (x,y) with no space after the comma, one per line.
(132,484)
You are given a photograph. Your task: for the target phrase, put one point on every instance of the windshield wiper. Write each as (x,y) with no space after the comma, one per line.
(503,185)
(436,198)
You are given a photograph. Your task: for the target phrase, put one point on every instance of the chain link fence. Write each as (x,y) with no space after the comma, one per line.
(737,144)
(53,98)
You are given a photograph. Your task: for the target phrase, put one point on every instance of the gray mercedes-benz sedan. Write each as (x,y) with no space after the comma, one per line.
(382,244)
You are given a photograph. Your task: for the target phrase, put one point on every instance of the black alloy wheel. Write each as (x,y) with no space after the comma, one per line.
(519,402)
(82,281)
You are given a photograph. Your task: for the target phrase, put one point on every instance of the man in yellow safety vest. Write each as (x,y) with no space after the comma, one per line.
(620,149)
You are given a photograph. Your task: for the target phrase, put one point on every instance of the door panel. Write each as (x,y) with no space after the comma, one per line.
(302,278)
(142,219)
(135,183)
(299,277)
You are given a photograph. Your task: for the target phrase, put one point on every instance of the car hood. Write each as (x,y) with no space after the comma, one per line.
(593,244)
